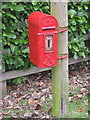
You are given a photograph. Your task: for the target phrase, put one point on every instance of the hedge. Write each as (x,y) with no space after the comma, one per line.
(15,37)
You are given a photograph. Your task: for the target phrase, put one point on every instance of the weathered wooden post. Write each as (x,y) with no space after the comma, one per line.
(3,90)
(60,72)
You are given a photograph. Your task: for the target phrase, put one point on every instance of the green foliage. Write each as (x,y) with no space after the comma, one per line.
(19,80)
(15,33)
(15,38)
(78,26)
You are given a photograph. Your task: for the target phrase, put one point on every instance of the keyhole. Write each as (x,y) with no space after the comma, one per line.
(48,43)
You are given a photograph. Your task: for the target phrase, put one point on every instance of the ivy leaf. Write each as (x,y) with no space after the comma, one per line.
(34,3)
(81,54)
(11,61)
(16,64)
(75,56)
(26,50)
(79,7)
(75,48)
(83,30)
(70,46)
(81,13)
(5,6)
(84,20)
(20,30)
(73,28)
(74,40)
(10,15)
(80,21)
(21,61)
(8,52)
(7,61)
(71,13)
(45,7)
(80,45)
(19,8)
(13,48)
(16,50)
(36,7)
(16,42)
(86,14)
(26,22)
(4,33)
(86,7)
(72,21)
(11,36)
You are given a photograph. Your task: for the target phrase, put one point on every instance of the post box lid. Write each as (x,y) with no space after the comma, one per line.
(37,18)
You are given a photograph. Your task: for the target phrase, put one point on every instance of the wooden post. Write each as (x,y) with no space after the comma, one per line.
(3,90)
(60,72)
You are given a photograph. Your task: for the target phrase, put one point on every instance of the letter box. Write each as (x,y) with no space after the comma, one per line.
(42,39)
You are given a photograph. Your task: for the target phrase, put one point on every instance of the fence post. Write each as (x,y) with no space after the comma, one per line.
(60,72)
(3,90)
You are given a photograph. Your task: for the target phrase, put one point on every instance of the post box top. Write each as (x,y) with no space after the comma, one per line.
(41,19)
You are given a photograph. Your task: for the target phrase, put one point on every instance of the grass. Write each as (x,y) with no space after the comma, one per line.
(78,108)
(75,106)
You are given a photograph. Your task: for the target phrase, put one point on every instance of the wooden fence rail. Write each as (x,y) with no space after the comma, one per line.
(18,73)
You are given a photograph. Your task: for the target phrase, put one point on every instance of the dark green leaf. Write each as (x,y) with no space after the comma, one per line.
(11,61)
(26,50)
(86,14)
(8,52)
(13,48)
(72,21)
(10,15)
(7,61)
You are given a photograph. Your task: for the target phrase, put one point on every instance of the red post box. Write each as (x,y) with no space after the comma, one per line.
(43,39)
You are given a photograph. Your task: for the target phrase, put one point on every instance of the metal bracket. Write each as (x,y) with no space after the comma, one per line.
(62,57)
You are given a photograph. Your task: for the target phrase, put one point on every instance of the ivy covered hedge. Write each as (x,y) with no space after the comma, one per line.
(15,38)
(15,32)
(78,25)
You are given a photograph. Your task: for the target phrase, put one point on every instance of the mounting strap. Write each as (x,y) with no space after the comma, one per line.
(61,57)
(63,30)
